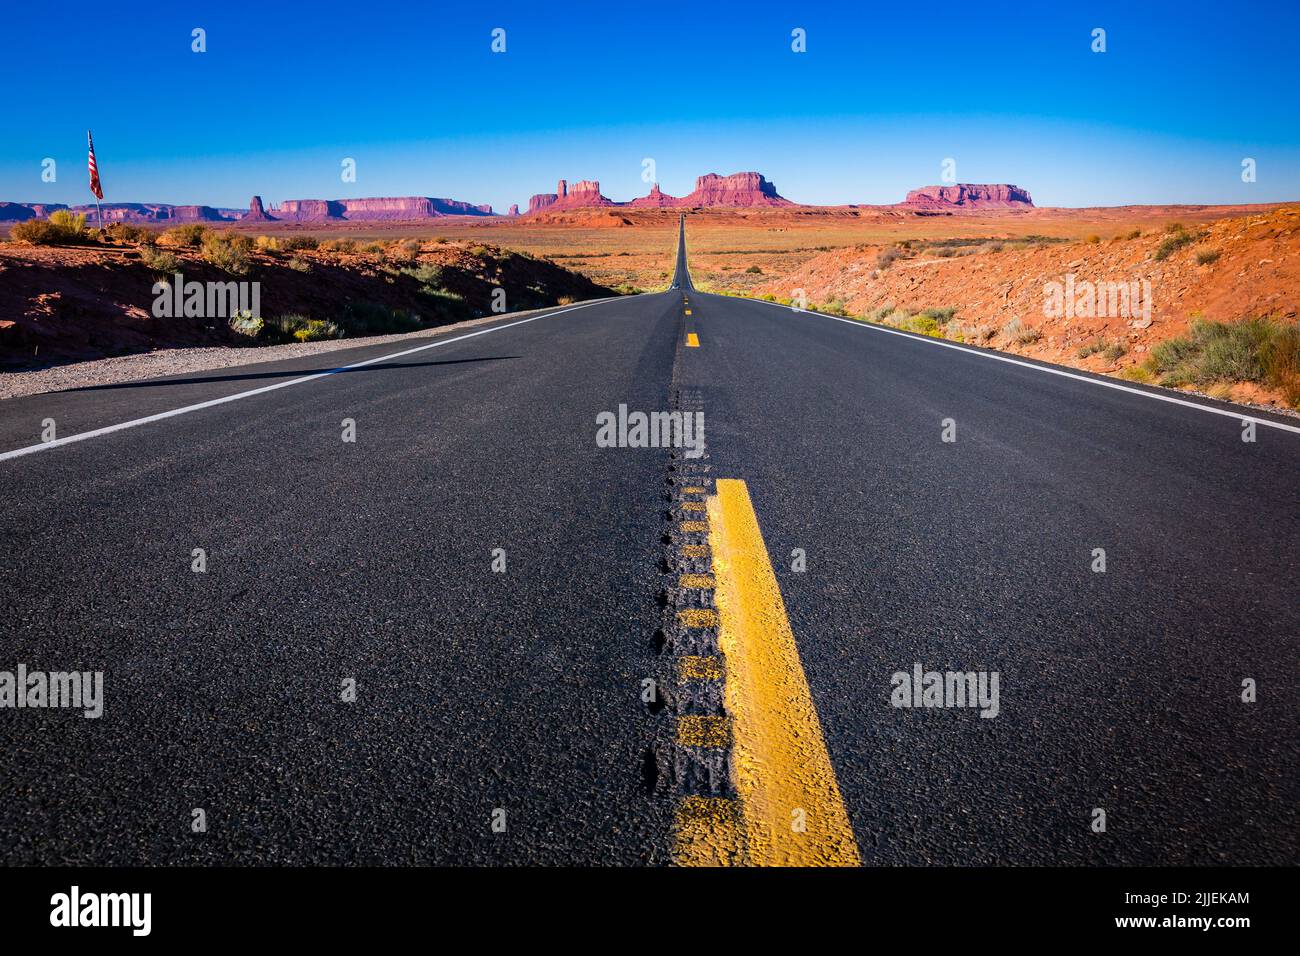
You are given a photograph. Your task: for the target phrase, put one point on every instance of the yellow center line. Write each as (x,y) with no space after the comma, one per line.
(790,803)
(692,340)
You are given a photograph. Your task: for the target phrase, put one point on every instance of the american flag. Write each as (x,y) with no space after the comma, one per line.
(95,186)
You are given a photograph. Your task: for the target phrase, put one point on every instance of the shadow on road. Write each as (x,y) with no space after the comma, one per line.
(291,373)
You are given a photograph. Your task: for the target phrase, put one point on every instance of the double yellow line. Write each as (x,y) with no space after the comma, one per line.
(789,811)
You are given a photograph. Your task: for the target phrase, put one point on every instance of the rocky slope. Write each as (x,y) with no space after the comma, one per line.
(1011,294)
(70,303)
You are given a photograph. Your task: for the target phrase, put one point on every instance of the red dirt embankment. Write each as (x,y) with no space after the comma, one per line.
(1006,292)
(71,303)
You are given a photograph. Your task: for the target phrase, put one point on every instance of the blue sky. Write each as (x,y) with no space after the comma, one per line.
(882,96)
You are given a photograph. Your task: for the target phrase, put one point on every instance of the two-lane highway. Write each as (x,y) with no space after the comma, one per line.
(490,578)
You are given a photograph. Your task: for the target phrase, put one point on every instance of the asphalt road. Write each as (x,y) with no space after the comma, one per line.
(480,691)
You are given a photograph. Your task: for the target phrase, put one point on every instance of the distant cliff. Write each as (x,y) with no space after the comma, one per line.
(374,209)
(969,196)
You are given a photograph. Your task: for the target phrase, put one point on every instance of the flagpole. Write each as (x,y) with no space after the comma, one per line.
(99,213)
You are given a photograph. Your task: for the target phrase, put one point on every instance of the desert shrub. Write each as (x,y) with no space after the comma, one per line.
(1093,240)
(373,247)
(39,232)
(1260,350)
(125,232)
(479,251)
(339,245)
(298,264)
(1135,234)
(1207,256)
(426,274)
(61,227)
(316,329)
(247,324)
(1172,242)
(281,329)
(942,316)
(228,251)
(159,260)
(1280,356)
(1092,349)
(946,252)
(267,244)
(754,270)
(922,323)
(73,225)
(1174,227)
(996,247)
(296,242)
(189,235)
(1016,332)
(1115,351)
(888,256)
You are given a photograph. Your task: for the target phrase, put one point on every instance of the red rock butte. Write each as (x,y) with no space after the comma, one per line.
(969,196)
(379,209)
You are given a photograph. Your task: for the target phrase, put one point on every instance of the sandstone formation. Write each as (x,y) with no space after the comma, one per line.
(541,201)
(255,212)
(969,196)
(656,198)
(738,189)
(377,209)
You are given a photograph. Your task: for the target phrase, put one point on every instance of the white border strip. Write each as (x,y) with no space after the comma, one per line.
(120,426)
(983,353)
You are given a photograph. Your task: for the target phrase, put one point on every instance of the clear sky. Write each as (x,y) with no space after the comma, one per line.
(884,93)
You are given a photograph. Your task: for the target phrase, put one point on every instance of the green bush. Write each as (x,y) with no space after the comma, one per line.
(245,323)
(942,316)
(125,232)
(39,232)
(1174,241)
(426,274)
(159,260)
(316,329)
(71,224)
(62,227)
(755,270)
(190,235)
(228,251)
(1260,350)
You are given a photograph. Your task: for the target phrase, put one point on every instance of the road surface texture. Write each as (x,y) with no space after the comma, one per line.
(498,714)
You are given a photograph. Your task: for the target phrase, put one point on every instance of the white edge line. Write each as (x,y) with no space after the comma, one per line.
(120,426)
(984,353)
